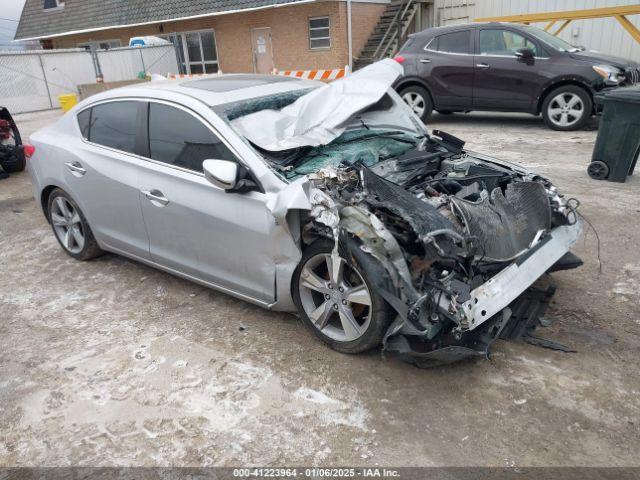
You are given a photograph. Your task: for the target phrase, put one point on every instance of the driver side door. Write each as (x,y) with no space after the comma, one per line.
(194,227)
(503,81)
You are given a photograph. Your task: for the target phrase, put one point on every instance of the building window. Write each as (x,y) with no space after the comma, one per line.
(319,36)
(196,50)
(101,44)
(53,4)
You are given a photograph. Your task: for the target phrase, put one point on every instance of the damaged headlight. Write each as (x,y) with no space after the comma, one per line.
(612,75)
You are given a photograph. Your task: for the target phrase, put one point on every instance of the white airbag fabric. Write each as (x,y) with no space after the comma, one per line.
(320,116)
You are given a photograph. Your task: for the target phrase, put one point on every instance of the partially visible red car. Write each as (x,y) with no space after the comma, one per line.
(12,155)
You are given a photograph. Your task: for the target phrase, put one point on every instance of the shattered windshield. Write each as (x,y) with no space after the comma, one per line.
(361,146)
(357,119)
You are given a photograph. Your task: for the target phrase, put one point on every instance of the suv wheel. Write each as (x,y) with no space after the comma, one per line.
(70,226)
(419,100)
(336,302)
(567,108)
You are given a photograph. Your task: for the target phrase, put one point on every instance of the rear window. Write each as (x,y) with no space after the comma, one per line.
(84,122)
(114,125)
(456,42)
(407,45)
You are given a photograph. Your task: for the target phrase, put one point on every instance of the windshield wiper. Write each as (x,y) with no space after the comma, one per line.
(386,134)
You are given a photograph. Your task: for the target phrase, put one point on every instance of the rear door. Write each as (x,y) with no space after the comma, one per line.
(195,227)
(446,64)
(502,80)
(103,176)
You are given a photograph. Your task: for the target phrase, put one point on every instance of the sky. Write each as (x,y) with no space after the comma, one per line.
(9,15)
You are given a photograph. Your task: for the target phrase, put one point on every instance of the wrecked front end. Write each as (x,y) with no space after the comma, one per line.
(459,239)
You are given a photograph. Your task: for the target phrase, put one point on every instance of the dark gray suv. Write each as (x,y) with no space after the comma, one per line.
(506,67)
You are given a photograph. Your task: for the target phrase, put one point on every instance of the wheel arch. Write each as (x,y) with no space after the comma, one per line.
(575,81)
(44,199)
(413,82)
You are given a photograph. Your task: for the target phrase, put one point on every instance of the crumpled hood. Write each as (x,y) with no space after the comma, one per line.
(322,115)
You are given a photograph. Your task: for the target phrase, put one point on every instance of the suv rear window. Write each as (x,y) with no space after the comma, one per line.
(456,42)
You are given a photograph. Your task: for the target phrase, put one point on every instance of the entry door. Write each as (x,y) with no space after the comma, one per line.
(446,64)
(501,79)
(104,175)
(195,227)
(262,50)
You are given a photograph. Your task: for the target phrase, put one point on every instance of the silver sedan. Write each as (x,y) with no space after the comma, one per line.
(330,201)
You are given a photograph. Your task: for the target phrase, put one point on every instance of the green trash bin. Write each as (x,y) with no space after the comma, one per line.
(618,144)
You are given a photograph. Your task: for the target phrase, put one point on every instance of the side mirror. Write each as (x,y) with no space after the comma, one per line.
(525,54)
(222,173)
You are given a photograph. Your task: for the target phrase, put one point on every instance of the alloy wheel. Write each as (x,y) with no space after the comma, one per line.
(566,109)
(335,297)
(416,102)
(67,225)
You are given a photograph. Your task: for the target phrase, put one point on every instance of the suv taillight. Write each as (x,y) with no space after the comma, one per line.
(399,58)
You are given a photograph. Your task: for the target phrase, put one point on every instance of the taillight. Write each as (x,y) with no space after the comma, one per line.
(28,150)
(399,58)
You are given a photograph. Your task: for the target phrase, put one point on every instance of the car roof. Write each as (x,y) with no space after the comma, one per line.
(433,31)
(214,89)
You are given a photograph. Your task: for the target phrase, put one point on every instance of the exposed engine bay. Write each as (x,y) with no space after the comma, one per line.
(442,223)
(459,238)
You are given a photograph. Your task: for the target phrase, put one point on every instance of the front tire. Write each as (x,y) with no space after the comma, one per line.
(336,302)
(70,226)
(567,108)
(419,100)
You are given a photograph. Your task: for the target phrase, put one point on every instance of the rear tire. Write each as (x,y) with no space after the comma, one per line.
(70,226)
(335,302)
(419,100)
(567,108)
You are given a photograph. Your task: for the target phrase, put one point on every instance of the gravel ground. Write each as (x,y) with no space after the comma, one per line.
(110,362)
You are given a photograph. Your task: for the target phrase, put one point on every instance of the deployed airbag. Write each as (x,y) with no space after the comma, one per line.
(322,115)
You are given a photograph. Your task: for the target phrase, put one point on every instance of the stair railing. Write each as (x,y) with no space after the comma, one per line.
(396,22)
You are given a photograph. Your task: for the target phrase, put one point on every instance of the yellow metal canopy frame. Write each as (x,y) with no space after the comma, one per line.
(566,17)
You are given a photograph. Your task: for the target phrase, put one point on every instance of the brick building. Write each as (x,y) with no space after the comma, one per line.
(212,35)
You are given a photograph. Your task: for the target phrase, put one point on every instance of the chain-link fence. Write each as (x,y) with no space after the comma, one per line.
(31,81)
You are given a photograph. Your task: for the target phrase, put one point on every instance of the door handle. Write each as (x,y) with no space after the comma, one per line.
(425,60)
(76,168)
(482,65)
(156,197)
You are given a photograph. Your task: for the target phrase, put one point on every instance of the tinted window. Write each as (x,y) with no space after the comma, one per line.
(114,125)
(84,119)
(503,42)
(407,45)
(457,42)
(178,138)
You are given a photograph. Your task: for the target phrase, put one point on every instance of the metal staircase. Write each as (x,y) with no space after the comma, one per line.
(387,36)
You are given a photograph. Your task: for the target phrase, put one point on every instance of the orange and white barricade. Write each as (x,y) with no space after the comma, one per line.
(324,75)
